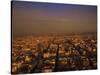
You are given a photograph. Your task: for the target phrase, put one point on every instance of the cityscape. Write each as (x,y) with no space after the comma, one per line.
(52,53)
(51,37)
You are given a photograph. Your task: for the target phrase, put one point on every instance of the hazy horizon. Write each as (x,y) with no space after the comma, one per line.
(34,18)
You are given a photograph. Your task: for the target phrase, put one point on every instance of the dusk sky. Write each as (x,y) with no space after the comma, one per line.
(32,18)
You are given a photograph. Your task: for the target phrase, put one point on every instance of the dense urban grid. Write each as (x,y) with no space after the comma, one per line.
(39,54)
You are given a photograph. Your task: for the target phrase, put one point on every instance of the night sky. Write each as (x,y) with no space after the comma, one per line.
(34,18)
